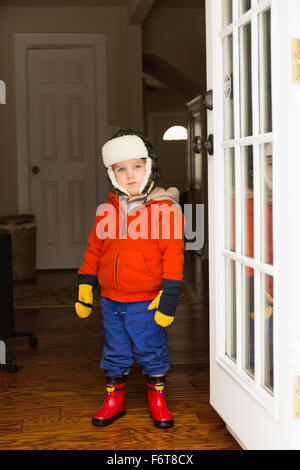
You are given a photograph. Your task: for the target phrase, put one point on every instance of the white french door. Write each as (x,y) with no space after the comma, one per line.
(254,220)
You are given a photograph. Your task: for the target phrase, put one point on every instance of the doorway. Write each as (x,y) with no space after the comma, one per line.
(59,129)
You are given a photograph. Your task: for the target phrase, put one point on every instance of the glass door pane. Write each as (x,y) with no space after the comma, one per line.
(227,12)
(230,307)
(265,82)
(267,328)
(267,257)
(247,201)
(247,237)
(245,80)
(267,203)
(244,5)
(239,192)
(248,315)
(229,209)
(228,88)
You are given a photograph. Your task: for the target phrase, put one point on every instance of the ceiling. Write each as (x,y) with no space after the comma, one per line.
(152,83)
(185,4)
(57,3)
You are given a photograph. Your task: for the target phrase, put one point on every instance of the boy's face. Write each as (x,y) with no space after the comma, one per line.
(130,173)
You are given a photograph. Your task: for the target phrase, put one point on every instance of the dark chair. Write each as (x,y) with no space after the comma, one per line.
(7,325)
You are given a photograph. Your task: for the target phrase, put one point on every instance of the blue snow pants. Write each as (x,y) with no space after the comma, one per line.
(131,332)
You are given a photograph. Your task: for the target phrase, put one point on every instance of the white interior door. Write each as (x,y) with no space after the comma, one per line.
(254,260)
(61,98)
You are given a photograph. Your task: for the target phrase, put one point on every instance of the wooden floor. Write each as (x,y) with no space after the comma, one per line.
(48,404)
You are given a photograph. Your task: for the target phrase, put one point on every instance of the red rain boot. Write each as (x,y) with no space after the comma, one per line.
(162,417)
(113,406)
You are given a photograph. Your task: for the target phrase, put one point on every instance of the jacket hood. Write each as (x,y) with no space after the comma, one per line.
(160,194)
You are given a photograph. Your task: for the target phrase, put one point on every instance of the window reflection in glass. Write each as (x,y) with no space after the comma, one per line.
(228,87)
(244,5)
(247,201)
(267,203)
(267,309)
(248,315)
(227,12)
(265,76)
(267,257)
(248,250)
(245,80)
(229,199)
(230,306)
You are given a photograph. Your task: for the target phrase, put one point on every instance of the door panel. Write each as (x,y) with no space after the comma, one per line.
(62,150)
(250,336)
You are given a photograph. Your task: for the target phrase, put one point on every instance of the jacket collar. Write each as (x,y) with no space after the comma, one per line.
(153,194)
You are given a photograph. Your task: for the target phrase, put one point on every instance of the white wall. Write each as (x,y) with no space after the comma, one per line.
(124,76)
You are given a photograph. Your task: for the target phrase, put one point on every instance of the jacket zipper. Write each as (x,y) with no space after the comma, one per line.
(117,205)
(116,265)
(116,270)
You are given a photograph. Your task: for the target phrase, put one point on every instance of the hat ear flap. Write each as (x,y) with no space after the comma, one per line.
(146,176)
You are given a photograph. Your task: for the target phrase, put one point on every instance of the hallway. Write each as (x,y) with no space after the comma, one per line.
(48,404)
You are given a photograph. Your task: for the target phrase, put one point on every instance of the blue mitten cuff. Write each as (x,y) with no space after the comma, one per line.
(169,297)
(89,279)
(83,303)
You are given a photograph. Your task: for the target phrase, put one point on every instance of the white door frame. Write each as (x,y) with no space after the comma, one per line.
(25,41)
(259,421)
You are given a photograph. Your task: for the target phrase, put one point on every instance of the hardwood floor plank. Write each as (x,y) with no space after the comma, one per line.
(49,403)
(8,426)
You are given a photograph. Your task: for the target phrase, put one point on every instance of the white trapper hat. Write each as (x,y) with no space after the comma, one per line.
(126,145)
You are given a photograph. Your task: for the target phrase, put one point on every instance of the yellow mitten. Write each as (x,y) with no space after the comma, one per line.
(268,312)
(268,309)
(83,305)
(155,302)
(269,298)
(159,317)
(163,320)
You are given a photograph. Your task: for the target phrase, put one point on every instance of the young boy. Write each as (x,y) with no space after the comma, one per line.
(140,277)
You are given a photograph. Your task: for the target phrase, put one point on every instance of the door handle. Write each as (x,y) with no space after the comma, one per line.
(35,170)
(200,144)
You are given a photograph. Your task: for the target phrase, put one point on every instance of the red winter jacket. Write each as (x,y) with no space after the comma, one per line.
(131,269)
